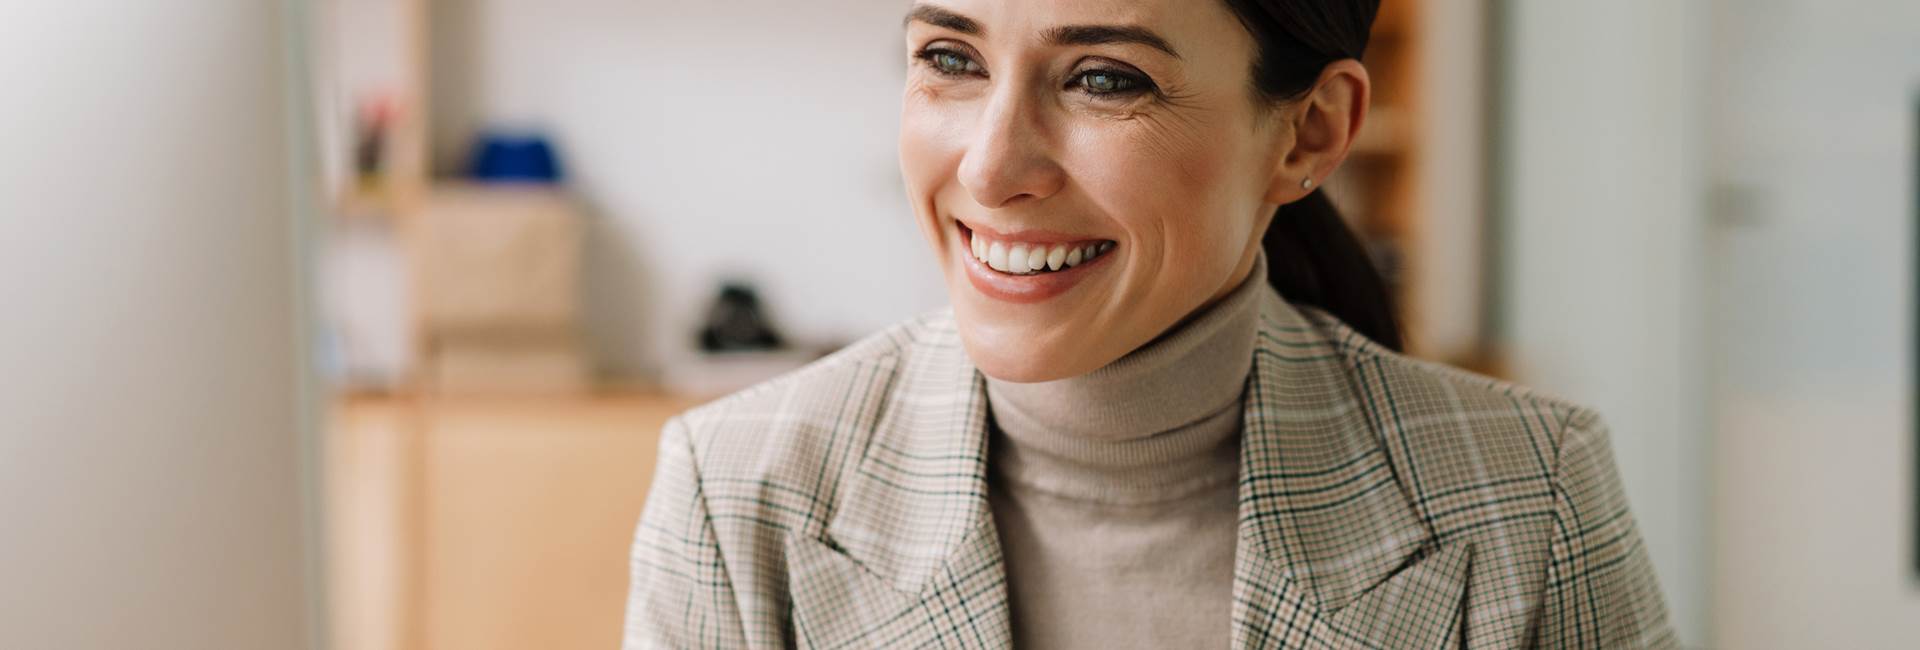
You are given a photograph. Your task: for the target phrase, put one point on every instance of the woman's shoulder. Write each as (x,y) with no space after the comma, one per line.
(795,420)
(1438,412)
(841,370)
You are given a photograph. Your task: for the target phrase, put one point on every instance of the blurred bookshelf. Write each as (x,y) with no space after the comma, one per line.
(481,279)
(481,485)
(1387,187)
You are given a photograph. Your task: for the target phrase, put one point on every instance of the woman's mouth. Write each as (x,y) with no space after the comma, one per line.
(1030,266)
(1025,258)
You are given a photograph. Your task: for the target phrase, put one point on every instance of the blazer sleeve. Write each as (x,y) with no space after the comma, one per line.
(1601,590)
(680,595)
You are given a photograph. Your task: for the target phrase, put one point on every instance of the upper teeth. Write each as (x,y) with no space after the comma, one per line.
(1024,257)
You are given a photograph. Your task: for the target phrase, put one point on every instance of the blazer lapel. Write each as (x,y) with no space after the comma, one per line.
(1332,553)
(910,557)
(840,603)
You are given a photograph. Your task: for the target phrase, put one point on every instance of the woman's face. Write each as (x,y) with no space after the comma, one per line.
(1114,145)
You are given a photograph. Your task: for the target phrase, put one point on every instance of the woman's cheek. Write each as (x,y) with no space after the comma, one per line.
(913,142)
(932,141)
(920,158)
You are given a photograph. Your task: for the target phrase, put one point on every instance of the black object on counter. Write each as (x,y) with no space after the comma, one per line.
(736,322)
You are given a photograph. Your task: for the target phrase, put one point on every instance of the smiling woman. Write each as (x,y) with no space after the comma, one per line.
(1166,406)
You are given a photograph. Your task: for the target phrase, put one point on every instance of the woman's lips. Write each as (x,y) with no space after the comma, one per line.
(1031,287)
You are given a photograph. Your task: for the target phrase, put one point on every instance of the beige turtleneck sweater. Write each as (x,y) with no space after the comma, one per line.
(1116,494)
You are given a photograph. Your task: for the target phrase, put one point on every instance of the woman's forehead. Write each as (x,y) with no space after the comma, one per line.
(1194,30)
(1182,19)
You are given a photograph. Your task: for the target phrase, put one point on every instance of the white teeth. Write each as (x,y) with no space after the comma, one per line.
(997,257)
(1017,259)
(1022,258)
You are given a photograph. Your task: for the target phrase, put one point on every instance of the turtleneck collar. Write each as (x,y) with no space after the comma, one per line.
(1156,424)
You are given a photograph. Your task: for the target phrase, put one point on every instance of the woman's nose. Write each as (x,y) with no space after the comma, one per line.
(1008,158)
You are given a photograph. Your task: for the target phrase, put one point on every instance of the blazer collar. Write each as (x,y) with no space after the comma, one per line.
(1329,542)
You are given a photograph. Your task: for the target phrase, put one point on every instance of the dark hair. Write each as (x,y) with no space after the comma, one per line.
(1312,256)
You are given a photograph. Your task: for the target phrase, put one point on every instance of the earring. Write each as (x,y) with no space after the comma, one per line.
(1306,183)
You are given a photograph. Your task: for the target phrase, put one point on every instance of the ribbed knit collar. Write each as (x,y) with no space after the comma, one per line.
(1157,424)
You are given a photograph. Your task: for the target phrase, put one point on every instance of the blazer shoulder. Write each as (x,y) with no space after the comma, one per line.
(1360,350)
(1458,429)
(792,425)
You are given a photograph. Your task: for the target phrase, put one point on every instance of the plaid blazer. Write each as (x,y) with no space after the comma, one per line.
(1385,502)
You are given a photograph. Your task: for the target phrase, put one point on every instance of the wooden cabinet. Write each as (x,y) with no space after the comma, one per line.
(476,524)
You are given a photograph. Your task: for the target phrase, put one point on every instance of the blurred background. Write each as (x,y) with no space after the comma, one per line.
(352,323)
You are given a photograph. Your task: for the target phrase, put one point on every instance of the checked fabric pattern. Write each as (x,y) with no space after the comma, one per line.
(1385,503)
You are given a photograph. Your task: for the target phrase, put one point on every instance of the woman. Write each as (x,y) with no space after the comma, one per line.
(1165,408)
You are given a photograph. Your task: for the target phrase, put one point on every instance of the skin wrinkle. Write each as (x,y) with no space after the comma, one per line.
(1183,177)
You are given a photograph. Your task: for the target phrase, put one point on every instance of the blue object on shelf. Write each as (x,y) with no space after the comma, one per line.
(500,157)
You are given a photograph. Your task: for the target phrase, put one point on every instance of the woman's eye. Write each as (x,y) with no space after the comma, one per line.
(1110,82)
(950,63)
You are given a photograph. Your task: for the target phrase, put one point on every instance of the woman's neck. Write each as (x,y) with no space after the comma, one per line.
(1162,408)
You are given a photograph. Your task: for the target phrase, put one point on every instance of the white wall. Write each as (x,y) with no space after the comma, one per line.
(1603,206)
(149,474)
(754,138)
(1814,103)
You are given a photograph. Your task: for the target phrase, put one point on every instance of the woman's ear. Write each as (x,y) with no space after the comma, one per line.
(1323,126)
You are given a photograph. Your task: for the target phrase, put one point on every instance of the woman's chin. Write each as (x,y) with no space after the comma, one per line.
(1014,371)
(1022,343)
(1009,354)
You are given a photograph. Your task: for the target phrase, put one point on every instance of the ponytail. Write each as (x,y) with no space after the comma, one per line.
(1313,258)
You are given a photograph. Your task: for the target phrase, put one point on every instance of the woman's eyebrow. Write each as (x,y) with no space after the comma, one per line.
(940,17)
(1064,35)
(1106,34)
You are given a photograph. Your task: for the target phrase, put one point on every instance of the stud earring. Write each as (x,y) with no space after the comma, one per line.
(1306,183)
